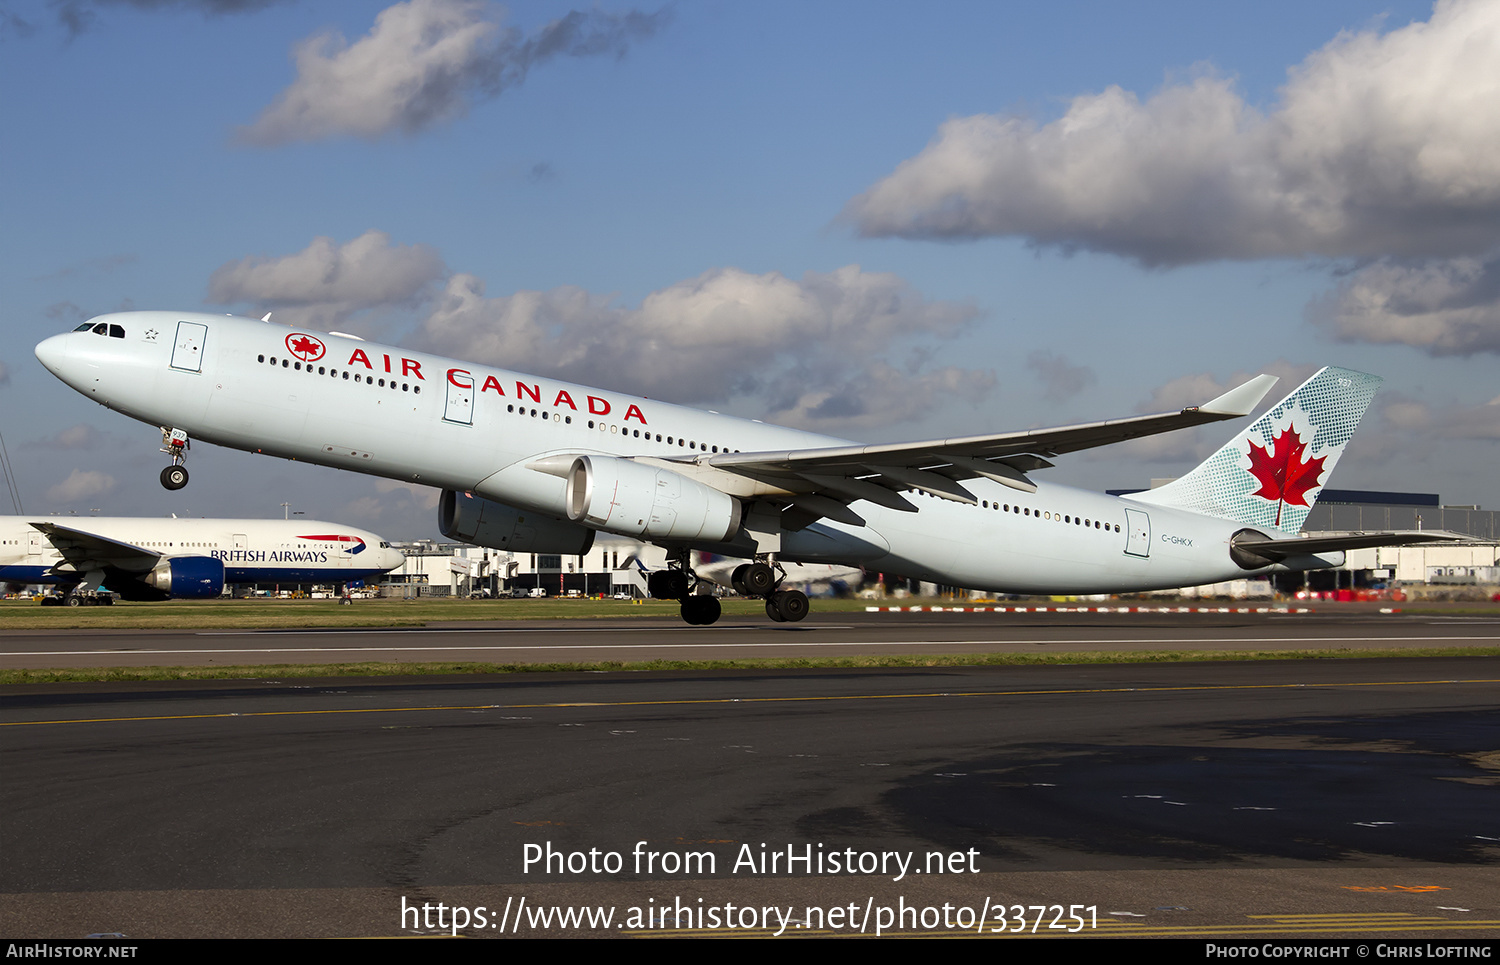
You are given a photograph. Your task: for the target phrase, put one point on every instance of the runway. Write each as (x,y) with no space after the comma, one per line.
(1329,797)
(831,634)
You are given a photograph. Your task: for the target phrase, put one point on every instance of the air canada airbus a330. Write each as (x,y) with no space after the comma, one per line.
(537,465)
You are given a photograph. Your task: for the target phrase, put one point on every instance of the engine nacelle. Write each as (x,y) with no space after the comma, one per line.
(484,522)
(633,499)
(184,578)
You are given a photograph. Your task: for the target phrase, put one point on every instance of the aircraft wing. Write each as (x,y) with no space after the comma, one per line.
(1273,550)
(836,476)
(85,551)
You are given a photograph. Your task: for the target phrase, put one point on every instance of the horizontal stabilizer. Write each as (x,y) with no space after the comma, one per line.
(1248,546)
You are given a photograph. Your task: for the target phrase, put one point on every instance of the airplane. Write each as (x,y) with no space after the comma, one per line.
(538,465)
(837,579)
(141,558)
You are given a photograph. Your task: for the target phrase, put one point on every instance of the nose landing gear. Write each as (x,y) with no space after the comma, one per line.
(174,442)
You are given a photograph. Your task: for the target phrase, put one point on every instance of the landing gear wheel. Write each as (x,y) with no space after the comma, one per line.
(759,579)
(669,585)
(787,605)
(701,611)
(73,599)
(174,477)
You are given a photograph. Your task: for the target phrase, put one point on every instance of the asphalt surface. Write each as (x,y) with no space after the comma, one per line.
(1277,798)
(821,635)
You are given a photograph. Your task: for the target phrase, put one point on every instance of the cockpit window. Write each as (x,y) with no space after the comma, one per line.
(83,328)
(116,331)
(101,329)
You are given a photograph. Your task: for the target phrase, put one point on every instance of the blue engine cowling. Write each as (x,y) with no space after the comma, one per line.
(187,577)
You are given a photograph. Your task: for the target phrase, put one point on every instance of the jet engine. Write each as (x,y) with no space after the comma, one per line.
(483,522)
(634,499)
(176,578)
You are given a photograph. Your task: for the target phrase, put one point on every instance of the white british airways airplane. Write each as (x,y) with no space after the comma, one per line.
(538,465)
(141,558)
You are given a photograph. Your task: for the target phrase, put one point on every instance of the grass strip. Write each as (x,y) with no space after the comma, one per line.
(375,669)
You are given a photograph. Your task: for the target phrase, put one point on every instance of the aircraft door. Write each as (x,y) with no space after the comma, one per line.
(460,405)
(187,350)
(1138,533)
(34,544)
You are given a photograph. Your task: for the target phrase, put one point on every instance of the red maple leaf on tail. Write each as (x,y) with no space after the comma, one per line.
(1284,476)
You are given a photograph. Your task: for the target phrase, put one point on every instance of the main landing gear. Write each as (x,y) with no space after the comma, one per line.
(678,582)
(760,579)
(174,442)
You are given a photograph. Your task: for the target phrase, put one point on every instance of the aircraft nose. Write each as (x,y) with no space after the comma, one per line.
(53,353)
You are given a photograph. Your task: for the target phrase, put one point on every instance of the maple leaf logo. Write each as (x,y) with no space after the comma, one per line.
(305,347)
(1283,474)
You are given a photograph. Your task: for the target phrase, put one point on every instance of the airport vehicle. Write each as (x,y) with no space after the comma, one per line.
(140,558)
(538,465)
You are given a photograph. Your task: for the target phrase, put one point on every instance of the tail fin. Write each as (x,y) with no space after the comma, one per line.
(1270,474)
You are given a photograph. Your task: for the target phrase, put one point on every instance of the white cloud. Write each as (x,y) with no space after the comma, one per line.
(1447,307)
(425,497)
(1381,144)
(424,62)
(811,350)
(876,395)
(81,436)
(82,484)
(1402,414)
(1062,379)
(327,282)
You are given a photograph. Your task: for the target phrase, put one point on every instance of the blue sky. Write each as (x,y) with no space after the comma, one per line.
(882,221)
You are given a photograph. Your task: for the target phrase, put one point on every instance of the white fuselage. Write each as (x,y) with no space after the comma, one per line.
(407,415)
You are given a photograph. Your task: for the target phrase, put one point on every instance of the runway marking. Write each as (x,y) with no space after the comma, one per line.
(1288,641)
(440,630)
(709,701)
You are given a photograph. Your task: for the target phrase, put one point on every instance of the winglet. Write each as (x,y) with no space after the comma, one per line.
(1241,400)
